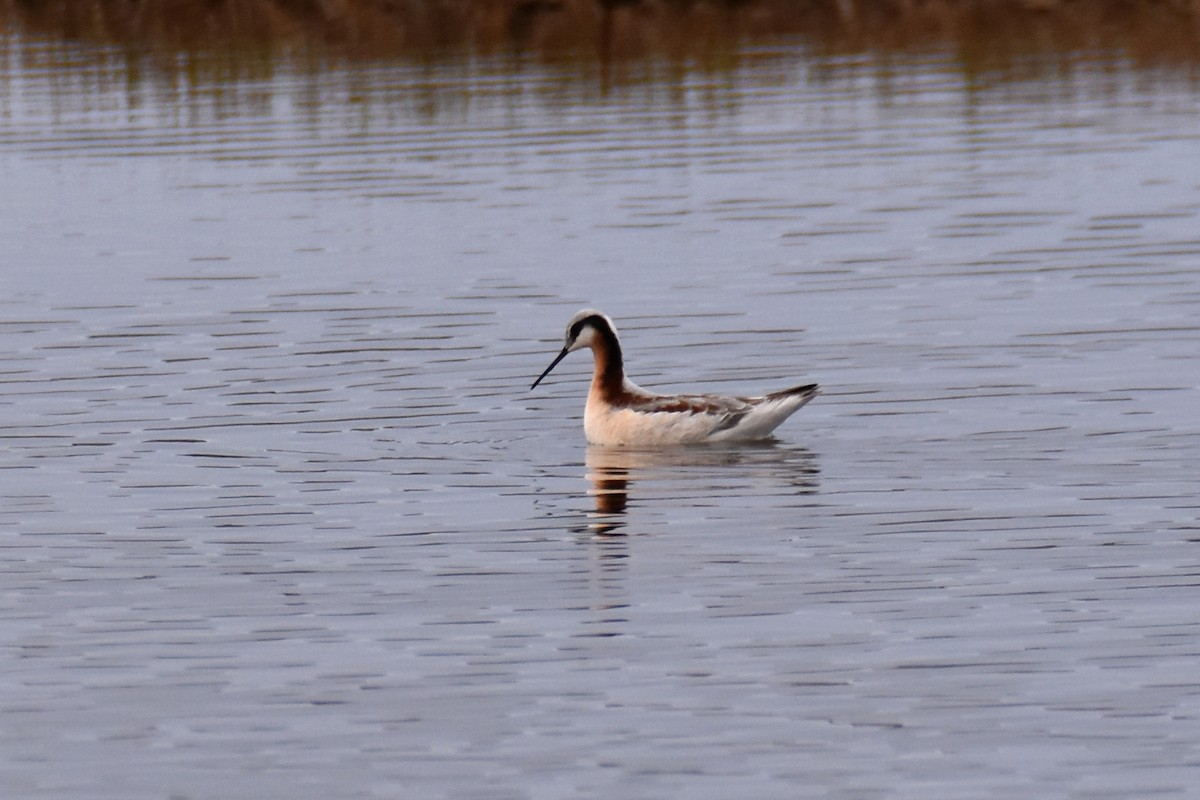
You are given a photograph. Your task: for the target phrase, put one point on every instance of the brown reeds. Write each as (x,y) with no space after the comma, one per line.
(1143,30)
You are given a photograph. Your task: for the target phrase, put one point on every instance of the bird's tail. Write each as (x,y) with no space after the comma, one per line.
(806,392)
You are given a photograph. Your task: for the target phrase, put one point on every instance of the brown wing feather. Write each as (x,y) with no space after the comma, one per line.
(678,404)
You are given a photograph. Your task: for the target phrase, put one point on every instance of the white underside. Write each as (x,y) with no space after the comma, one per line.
(605,425)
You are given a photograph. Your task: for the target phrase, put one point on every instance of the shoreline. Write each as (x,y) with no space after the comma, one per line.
(1146,31)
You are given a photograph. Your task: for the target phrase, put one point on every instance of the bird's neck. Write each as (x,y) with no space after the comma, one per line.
(609,376)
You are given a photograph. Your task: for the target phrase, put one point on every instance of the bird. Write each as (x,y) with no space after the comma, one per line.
(621,413)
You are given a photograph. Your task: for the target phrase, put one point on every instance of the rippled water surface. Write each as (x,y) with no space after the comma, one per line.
(279,517)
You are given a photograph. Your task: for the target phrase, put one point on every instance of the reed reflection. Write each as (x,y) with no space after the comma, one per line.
(664,475)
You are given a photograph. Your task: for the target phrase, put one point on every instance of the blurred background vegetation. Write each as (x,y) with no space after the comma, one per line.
(1144,31)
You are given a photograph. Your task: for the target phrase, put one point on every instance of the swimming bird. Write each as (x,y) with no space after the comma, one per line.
(619,412)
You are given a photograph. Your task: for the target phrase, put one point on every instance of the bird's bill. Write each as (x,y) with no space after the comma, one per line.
(553,364)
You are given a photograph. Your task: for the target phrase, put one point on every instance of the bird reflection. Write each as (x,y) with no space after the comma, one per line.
(608,471)
(614,471)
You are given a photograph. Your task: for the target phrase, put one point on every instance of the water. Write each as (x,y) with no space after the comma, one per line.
(279,516)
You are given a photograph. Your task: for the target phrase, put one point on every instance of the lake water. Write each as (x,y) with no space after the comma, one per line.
(279,517)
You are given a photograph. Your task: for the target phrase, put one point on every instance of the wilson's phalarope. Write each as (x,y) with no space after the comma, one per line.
(619,412)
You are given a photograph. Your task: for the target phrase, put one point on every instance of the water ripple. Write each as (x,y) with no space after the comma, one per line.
(276,496)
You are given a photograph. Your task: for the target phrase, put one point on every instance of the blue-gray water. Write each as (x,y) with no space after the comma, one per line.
(279,517)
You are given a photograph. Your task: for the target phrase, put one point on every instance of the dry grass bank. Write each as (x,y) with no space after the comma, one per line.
(1145,30)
